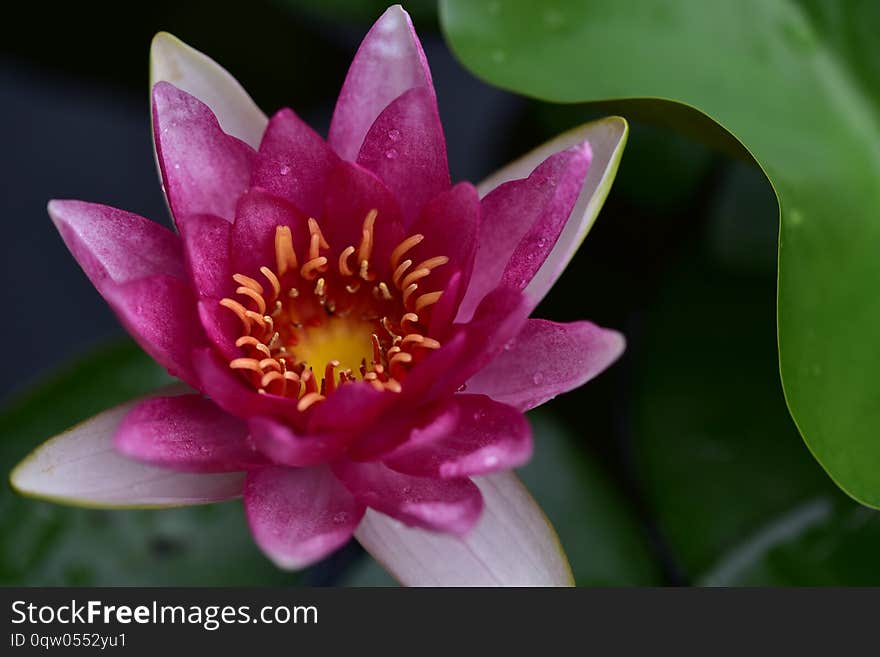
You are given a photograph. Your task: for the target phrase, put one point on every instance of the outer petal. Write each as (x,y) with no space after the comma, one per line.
(160,313)
(293,162)
(138,266)
(545,360)
(171,60)
(80,467)
(114,246)
(607,137)
(482,437)
(522,220)
(513,544)
(204,170)
(187,433)
(449,505)
(299,515)
(405,147)
(389,61)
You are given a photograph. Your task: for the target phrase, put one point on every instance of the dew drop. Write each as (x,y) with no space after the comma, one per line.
(176,166)
(542,242)
(394,135)
(462,387)
(284,170)
(479,415)
(391,153)
(537,378)
(510,344)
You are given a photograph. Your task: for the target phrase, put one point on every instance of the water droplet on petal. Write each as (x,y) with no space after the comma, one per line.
(394,135)
(510,344)
(176,166)
(462,387)
(391,153)
(537,378)
(284,170)
(542,242)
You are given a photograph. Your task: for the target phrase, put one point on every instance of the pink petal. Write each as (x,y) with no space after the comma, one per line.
(352,192)
(160,314)
(138,267)
(607,138)
(293,162)
(481,436)
(405,147)
(350,409)
(253,233)
(472,346)
(233,395)
(187,433)
(204,170)
(80,467)
(206,242)
(522,220)
(171,60)
(299,515)
(389,61)
(426,422)
(287,447)
(449,505)
(113,246)
(222,327)
(513,544)
(450,223)
(547,359)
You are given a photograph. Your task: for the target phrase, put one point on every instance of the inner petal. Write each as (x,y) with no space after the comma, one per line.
(319,316)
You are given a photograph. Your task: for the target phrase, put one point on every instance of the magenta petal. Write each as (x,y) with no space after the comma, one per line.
(188,433)
(352,193)
(235,397)
(522,220)
(204,170)
(350,409)
(389,61)
(450,223)
(160,314)
(206,241)
(293,162)
(472,346)
(285,446)
(299,515)
(449,505)
(221,326)
(405,147)
(113,246)
(253,233)
(477,436)
(545,360)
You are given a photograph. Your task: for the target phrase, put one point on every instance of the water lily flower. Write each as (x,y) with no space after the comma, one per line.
(353,330)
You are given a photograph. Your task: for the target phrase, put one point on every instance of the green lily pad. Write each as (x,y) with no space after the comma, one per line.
(796,85)
(44,544)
